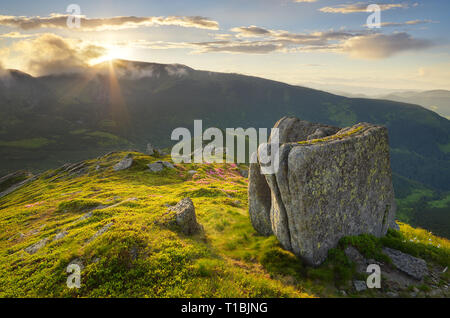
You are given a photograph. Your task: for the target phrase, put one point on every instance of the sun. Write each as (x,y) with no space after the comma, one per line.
(112,53)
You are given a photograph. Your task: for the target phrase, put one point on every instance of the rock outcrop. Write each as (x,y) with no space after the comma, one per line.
(15,181)
(37,246)
(331,183)
(125,163)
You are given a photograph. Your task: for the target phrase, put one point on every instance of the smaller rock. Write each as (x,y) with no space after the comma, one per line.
(125,163)
(343,293)
(16,186)
(185,216)
(107,154)
(18,235)
(166,164)
(192,172)
(415,289)
(236,202)
(360,285)
(155,167)
(77,261)
(392,294)
(101,231)
(37,246)
(60,235)
(33,232)
(413,266)
(150,150)
(85,216)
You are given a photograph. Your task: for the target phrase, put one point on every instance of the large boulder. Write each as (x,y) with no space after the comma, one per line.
(328,187)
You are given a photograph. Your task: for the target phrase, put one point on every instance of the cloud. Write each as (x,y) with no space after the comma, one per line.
(406,23)
(363,44)
(251,31)
(52,54)
(59,21)
(366,45)
(315,38)
(309,1)
(275,40)
(361,7)
(16,35)
(221,36)
(287,38)
(378,46)
(249,47)
(224,46)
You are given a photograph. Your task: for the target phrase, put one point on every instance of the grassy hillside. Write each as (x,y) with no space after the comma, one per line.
(422,206)
(48,121)
(117,225)
(77,116)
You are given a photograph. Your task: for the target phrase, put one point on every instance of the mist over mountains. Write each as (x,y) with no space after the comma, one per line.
(436,100)
(47,121)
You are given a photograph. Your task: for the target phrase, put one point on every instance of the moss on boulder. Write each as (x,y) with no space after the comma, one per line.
(326,188)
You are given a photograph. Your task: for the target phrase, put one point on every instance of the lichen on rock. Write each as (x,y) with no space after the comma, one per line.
(326,188)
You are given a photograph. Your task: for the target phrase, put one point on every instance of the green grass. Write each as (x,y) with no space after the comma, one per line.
(33,143)
(406,206)
(442,203)
(444,148)
(106,139)
(143,254)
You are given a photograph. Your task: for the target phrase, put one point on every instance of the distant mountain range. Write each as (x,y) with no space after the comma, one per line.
(436,100)
(47,121)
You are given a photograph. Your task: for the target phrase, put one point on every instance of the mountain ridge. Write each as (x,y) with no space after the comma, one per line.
(121,104)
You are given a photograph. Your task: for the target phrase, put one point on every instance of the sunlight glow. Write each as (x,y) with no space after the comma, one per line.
(113,52)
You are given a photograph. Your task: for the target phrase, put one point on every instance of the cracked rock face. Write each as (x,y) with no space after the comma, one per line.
(331,183)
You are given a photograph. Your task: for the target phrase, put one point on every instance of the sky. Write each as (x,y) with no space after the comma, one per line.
(315,43)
